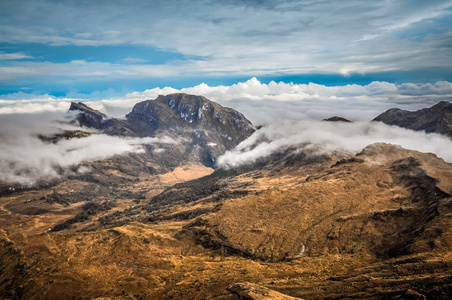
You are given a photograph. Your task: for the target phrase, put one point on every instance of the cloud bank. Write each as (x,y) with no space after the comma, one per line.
(331,136)
(263,103)
(25,158)
(295,107)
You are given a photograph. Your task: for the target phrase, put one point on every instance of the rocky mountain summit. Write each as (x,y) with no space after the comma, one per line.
(437,118)
(204,129)
(337,119)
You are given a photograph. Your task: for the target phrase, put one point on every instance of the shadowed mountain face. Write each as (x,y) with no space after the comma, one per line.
(204,129)
(337,119)
(437,118)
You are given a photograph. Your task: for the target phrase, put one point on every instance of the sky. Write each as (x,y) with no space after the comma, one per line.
(103,49)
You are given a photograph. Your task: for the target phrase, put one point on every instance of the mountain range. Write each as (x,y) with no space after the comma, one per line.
(436,119)
(299,223)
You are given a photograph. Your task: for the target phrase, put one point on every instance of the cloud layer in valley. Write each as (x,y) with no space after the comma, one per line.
(331,136)
(297,108)
(25,158)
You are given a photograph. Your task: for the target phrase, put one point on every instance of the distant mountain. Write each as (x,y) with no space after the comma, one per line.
(92,118)
(205,129)
(337,119)
(88,117)
(437,118)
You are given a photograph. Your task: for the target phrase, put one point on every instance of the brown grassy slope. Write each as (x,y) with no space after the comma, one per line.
(383,208)
(371,228)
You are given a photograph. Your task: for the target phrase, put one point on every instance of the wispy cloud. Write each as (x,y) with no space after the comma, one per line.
(134,60)
(25,158)
(13,56)
(230,38)
(326,137)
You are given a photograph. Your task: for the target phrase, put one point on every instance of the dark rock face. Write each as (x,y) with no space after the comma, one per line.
(87,116)
(209,128)
(92,118)
(66,134)
(179,112)
(206,128)
(337,119)
(437,119)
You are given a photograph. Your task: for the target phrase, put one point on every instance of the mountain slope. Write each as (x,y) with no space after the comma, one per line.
(364,226)
(204,129)
(437,118)
(385,202)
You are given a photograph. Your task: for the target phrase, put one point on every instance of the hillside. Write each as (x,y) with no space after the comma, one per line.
(348,225)
(437,119)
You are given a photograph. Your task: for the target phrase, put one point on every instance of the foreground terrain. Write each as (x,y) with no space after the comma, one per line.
(302,222)
(311,226)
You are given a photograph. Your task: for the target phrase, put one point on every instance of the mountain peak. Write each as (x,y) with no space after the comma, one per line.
(207,128)
(177,112)
(337,119)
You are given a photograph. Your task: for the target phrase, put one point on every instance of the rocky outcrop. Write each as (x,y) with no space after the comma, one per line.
(178,112)
(437,119)
(91,118)
(66,135)
(87,116)
(337,119)
(251,291)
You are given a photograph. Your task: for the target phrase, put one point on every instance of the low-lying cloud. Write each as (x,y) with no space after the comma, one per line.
(290,113)
(264,103)
(331,136)
(25,158)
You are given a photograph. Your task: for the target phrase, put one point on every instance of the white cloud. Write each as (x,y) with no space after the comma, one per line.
(264,103)
(329,137)
(134,60)
(25,158)
(261,103)
(13,56)
(253,89)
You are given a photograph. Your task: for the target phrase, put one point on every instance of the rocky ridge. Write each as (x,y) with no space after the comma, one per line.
(436,119)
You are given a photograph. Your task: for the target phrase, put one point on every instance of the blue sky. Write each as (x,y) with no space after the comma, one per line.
(103,49)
